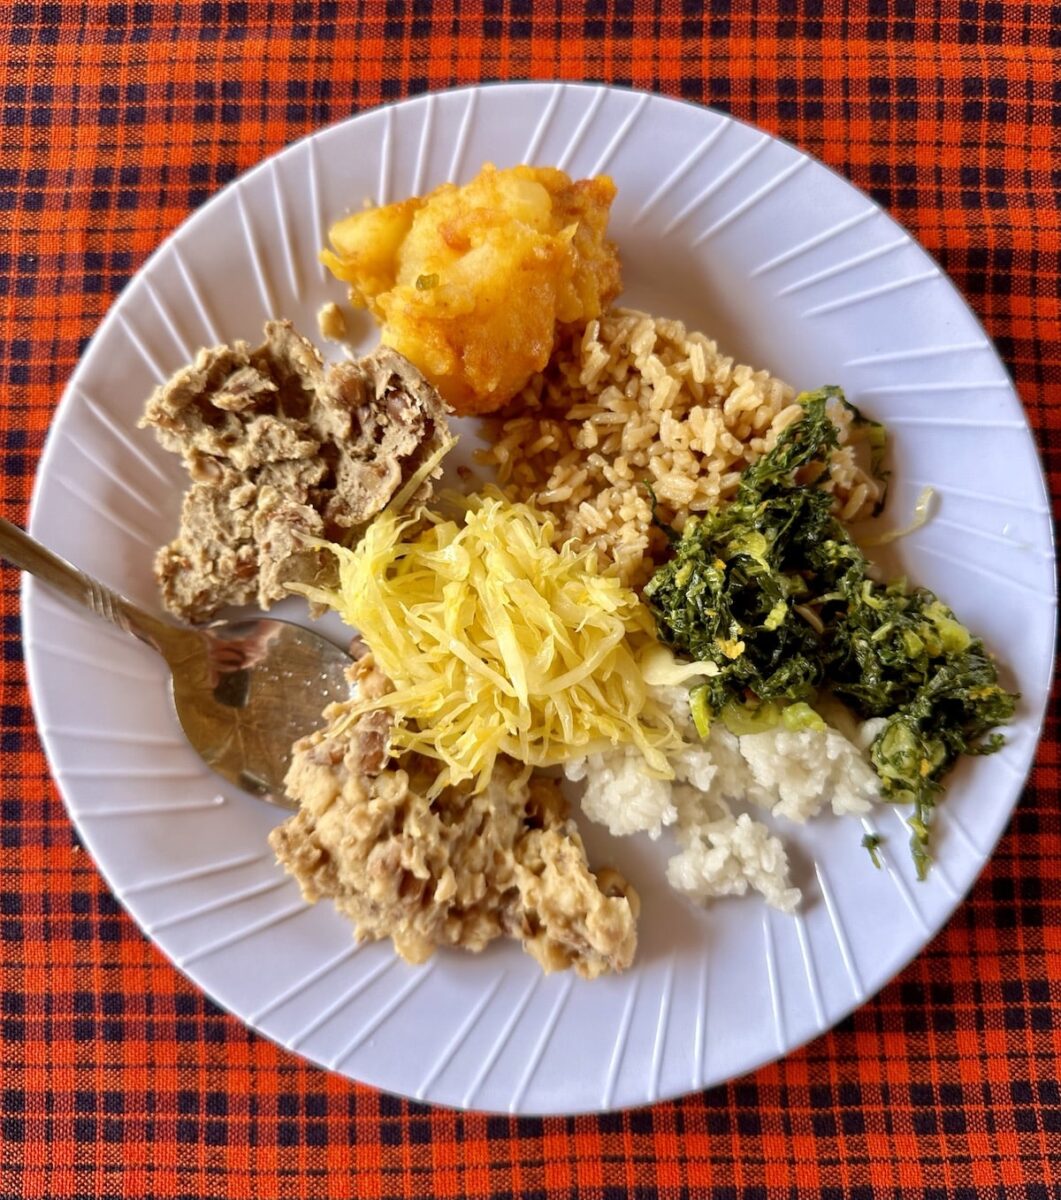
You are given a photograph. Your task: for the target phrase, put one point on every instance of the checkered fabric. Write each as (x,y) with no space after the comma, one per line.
(117,1078)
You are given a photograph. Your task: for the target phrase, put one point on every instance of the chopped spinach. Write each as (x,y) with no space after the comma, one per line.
(870,842)
(772,589)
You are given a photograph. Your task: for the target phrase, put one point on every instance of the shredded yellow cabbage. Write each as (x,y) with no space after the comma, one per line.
(498,642)
(922,511)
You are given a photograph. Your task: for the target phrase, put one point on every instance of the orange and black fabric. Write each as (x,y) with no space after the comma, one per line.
(117,1077)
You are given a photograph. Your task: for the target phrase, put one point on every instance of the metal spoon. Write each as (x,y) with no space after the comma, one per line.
(244,690)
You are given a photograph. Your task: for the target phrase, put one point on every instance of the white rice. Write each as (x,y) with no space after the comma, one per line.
(723,852)
(807,769)
(726,855)
(620,796)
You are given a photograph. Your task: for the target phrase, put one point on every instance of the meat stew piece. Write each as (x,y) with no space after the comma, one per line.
(281,449)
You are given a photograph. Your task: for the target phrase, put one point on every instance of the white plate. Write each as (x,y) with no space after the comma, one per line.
(792,269)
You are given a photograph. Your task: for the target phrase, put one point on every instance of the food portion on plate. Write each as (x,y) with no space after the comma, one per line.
(637,421)
(499,639)
(280,449)
(472,283)
(773,591)
(658,597)
(432,864)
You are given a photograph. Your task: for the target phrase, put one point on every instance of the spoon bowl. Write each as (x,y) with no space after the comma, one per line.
(244,690)
(248,690)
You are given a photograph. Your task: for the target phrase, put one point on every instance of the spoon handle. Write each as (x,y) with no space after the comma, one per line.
(26,552)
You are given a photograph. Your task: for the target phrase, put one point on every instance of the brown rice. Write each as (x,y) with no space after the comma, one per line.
(638,399)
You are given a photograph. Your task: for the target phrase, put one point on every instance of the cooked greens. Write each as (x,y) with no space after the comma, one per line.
(773,590)
(870,843)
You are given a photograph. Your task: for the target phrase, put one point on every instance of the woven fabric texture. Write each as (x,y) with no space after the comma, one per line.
(117,1078)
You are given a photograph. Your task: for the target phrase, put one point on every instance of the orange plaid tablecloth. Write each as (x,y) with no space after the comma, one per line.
(117,1078)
